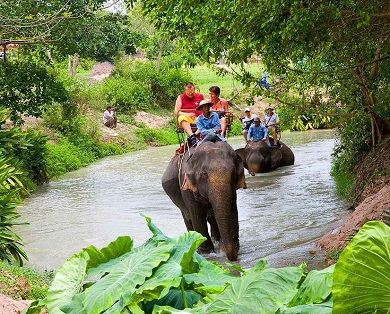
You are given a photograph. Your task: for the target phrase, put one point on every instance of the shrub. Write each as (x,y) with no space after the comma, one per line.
(136,85)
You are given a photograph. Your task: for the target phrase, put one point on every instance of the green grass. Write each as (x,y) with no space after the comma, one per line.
(24,282)
(204,77)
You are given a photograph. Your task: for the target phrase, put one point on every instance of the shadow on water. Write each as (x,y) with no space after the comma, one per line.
(281,213)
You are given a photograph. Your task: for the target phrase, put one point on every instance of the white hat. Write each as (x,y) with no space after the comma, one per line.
(247,109)
(204,102)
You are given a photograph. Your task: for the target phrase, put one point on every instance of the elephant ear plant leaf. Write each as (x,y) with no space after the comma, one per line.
(362,273)
(266,291)
(166,275)
(67,282)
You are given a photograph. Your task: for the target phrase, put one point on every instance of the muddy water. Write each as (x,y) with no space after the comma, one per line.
(281,213)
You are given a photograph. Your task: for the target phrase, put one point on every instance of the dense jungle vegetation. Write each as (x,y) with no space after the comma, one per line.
(327,63)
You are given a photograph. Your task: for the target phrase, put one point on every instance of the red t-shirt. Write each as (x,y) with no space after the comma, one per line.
(191,103)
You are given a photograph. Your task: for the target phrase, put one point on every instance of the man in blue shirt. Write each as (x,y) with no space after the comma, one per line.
(208,123)
(257,132)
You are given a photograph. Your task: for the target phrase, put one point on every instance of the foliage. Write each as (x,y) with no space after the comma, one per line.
(362,273)
(72,153)
(166,275)
(12,278)
(136,85)
(99,36)
(26,149)
(10,242)
(28,88)
(20,19)
(157,137)
(330,53)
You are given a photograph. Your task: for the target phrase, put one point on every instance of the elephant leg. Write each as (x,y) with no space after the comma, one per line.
(199,222)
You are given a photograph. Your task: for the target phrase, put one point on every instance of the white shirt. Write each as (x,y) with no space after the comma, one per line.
(107,115)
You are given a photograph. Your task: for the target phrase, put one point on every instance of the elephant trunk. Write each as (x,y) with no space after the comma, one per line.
(223,198)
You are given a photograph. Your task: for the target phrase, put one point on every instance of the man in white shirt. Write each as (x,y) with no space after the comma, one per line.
(109,117)
(271,121)
(247,121)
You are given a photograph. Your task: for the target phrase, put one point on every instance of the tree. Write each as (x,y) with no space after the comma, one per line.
(332,52)
(77,28)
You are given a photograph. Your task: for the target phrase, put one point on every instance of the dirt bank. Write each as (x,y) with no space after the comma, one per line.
(372,197)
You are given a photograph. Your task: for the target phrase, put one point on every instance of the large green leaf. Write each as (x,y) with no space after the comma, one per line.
(116,248)
(126,276)
(362,273)
(67,282)
(323,308)
(315,289)
(263,292)
(170,274)
(211,278)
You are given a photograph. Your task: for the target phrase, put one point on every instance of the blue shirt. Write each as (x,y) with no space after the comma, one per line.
(209,125)
(257,133)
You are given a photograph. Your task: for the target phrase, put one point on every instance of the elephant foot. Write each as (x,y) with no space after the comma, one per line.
(206,247)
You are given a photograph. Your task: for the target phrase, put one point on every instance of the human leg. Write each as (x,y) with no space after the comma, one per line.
(223,125)
(245,133)
(110,122)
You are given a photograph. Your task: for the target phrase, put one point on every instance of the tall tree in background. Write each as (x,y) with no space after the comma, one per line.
(330,52)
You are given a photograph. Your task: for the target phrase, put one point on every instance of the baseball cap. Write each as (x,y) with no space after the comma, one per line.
(256,119)
(247,109)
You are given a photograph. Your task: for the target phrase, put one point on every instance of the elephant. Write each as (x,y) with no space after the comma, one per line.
(203,183)
(258,157)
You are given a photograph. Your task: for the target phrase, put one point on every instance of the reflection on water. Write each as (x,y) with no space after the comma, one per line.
(278,211)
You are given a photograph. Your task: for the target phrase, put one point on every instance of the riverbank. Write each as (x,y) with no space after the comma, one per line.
(372,201)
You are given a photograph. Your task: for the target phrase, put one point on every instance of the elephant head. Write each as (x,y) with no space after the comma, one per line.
(203,183)
(258,157)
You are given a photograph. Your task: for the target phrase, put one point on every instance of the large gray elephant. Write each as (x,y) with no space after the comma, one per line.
(202,182)
(258,157)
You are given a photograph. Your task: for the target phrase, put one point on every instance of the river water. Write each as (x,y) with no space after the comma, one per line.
(281,213)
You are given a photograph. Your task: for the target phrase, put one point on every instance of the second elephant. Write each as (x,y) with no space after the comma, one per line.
(258,157)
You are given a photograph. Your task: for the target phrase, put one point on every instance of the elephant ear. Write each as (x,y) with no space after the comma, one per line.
(240,176)
(240,152)
(189,184)
(276,156)
(241,155)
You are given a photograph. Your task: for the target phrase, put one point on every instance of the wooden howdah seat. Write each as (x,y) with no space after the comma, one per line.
(182,136)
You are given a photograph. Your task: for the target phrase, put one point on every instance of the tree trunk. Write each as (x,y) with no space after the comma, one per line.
(72,64)
(161,45)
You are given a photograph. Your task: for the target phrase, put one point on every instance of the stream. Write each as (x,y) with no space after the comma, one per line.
(281,213)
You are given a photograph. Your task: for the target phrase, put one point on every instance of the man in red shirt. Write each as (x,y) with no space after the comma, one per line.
(185,108)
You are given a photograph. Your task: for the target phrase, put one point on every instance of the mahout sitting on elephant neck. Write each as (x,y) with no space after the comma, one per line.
(204,188)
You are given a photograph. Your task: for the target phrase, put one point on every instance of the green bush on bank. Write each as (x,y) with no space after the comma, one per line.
(34,286)
(137,85)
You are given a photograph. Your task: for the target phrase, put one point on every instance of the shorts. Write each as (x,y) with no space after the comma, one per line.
(184,117)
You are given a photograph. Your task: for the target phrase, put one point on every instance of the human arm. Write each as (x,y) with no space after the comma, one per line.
(249,134)
(265,133)
(211,125)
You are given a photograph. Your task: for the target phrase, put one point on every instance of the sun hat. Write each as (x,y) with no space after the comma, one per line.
(247,109)
(204,102)
(256,119)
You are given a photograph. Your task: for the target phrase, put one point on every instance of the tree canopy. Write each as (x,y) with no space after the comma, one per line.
(334,52)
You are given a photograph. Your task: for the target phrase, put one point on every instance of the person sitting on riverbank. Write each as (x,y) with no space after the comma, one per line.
(257,132)
(220,106)
(109,117)
(209,126)
(185,109)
